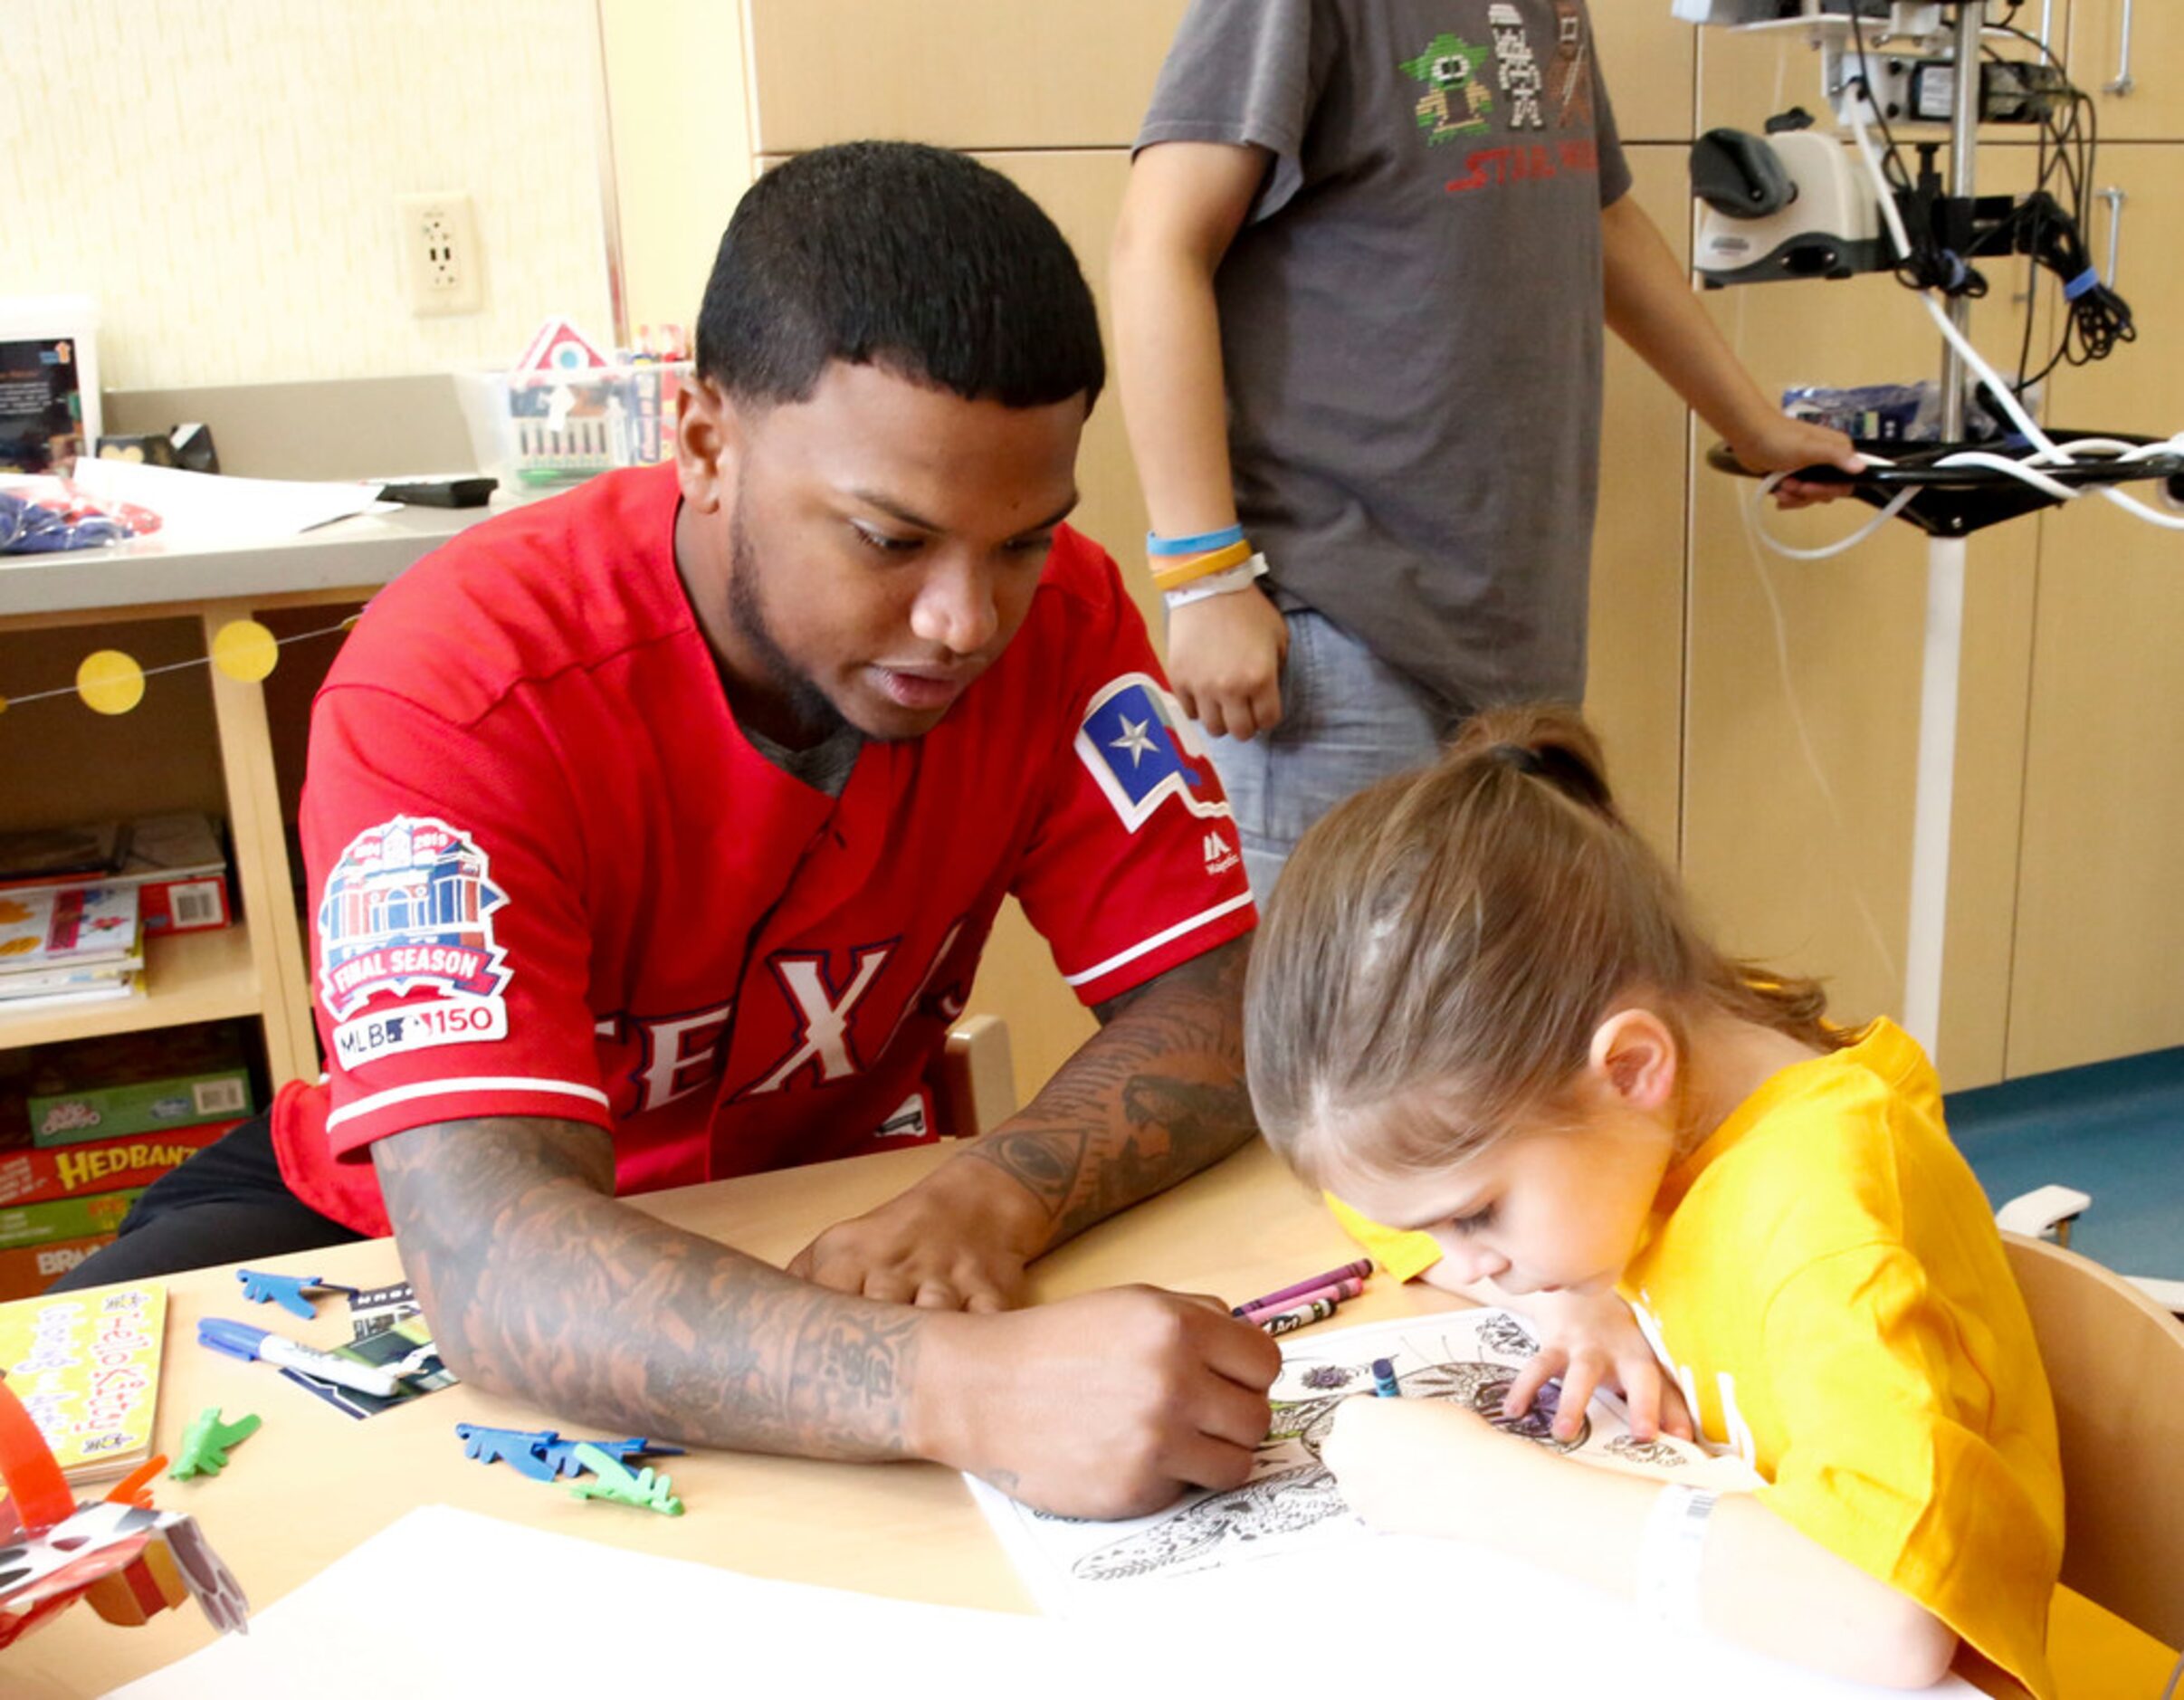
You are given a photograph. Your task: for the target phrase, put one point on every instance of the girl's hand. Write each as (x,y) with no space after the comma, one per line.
(1225,660)
(1592,1341)
(1423,1465)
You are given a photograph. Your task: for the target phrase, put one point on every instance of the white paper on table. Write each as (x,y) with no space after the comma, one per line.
(1410,1615)
(212,510)
(1291,1503)
(448,1603)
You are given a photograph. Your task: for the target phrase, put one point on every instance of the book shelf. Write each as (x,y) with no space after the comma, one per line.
(204,734)
(187,977)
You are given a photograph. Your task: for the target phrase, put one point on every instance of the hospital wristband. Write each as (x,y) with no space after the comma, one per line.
(1221,583)
(1174,574)
(1671,1549)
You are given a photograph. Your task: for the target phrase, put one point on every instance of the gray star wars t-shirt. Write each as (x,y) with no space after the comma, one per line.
(1411,318)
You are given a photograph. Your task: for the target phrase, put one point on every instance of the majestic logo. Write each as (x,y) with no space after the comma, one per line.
(1220,855)
(408,905)
(1138,744)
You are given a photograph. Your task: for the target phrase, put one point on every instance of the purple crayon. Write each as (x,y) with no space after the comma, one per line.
(1336,1292)
(1304,1289)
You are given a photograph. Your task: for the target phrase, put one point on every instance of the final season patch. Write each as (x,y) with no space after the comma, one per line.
(409,907)
(1141,748)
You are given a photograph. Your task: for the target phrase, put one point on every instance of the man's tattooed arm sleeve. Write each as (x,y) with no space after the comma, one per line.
(1155,1096)
(539,1285)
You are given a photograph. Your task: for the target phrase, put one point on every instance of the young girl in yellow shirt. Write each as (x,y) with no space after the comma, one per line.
(1479,1010)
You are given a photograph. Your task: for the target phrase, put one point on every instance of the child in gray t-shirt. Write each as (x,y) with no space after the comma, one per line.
(1358,287)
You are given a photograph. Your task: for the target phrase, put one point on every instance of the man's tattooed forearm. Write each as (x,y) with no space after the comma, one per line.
(539,1285)
(1157,1095)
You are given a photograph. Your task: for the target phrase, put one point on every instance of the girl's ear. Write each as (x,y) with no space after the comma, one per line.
(1635,1056)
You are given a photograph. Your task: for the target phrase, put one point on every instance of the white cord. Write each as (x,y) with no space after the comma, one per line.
(2045,447)
(1896,504)
(1753,534)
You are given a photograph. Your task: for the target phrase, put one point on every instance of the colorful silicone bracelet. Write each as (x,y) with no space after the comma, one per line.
(1155,544)
(1175,575)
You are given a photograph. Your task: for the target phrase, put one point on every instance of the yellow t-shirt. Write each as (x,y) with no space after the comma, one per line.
(1824,1279)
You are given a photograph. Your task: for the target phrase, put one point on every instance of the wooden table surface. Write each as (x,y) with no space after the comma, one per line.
(311,1483)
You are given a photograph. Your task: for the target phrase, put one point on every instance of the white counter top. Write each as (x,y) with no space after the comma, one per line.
(362,553)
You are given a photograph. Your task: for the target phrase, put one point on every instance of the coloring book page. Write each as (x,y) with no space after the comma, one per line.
(1292,1504)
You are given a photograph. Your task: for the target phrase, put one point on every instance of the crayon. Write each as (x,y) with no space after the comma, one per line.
(1385,1385)
(1337,1291)
(1300,1289)
(1303,1316)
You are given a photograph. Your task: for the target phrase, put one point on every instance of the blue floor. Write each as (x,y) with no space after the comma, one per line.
(2115,1130)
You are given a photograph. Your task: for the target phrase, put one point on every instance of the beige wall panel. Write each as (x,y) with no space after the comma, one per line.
(1797,841)
(1650,60)
(222,178)
(682,158)
(985,73)
(1082,191)
(1745,76)
(2100,921)
(1634,668)
(967,74)
(2155,109)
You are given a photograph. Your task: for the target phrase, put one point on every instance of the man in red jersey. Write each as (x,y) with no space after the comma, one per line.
(654,833)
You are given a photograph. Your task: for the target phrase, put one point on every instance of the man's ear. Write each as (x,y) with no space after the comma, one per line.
(709,436)
(1635,1055)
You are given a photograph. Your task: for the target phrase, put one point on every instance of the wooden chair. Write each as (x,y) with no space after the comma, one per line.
(975,1081)
(2115,1361)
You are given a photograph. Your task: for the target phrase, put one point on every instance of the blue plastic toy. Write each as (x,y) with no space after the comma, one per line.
(542,1454)
(286,1291)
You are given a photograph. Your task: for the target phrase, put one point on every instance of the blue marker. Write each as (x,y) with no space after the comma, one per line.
(1385,1385)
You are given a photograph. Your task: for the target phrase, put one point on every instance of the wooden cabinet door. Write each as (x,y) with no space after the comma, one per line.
(1634,691)
(1649,59)
(2100,47)
(1082,191)
(2100,953)
(1801,741)
(960,73)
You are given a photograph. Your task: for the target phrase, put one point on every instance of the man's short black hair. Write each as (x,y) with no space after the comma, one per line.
(903,255)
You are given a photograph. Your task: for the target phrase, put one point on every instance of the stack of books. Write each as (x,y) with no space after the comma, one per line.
(68,944)
(85,1126)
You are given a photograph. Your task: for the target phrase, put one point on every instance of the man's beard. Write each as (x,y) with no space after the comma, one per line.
(815,717)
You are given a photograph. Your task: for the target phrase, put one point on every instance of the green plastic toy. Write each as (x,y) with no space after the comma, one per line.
(204,1442)
(610,1479)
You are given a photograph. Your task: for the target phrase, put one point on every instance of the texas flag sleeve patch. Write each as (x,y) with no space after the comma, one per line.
(1141,750)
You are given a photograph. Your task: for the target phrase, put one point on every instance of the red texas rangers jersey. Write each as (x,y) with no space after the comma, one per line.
(551,877)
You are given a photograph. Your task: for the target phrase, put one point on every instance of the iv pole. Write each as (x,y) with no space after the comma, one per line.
(1938,690)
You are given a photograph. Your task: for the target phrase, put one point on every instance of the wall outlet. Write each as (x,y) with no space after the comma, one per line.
(440,261)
